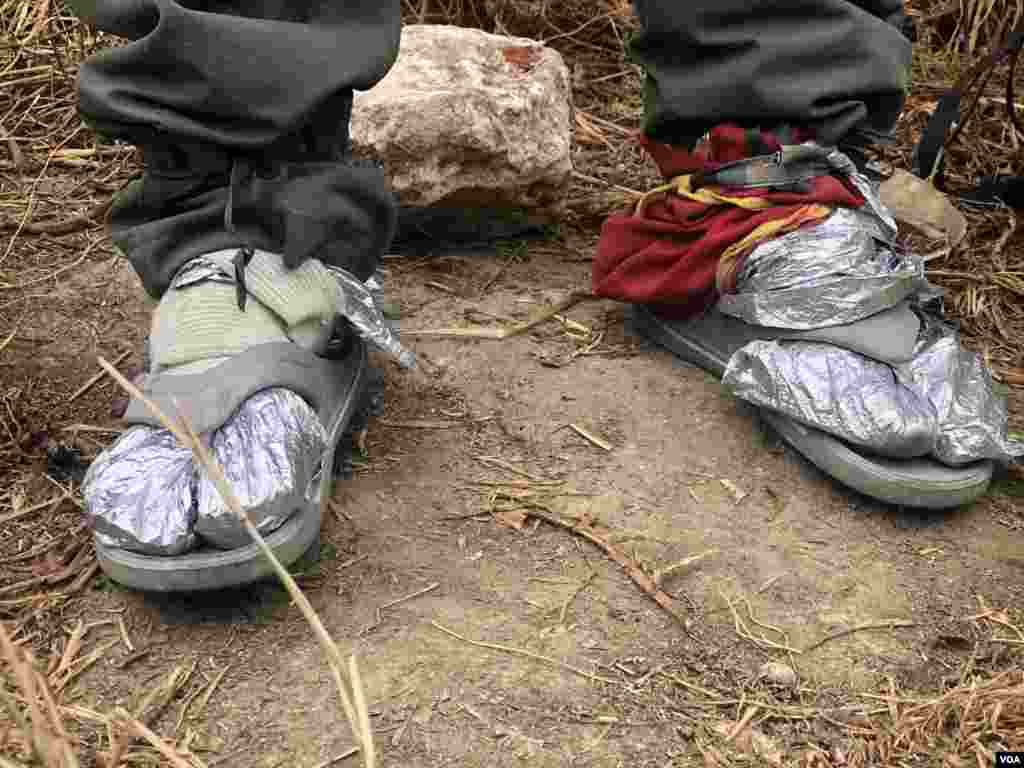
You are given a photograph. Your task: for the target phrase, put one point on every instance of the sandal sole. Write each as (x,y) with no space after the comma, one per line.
(921,483)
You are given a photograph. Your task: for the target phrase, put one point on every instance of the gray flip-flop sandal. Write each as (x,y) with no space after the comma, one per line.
(708,342)
(339,390)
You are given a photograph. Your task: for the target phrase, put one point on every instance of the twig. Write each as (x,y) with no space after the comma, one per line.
(74,645)
(418,424)
(498,272)
(19,719)
(92,381)
(997,248)
(349,563)
(139,729)
(350,700)
(585,530)
(93,428)
(8,340)
(441,287)
(17,158)
(590,437)
(527,654)
(418,593)
(743,723)
(46,546)
(690,686)
(580,28)
(662,573)
(339,758)
(741,630)
(91,217)
(602,182)
(32,192)
(38,730)
(62,270)
(34,508)
(891,624)
(499,334)
(495,461)
(609,123)
(576,592)
(205,698)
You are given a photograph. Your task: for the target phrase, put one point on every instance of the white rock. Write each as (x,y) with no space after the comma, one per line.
(469,118)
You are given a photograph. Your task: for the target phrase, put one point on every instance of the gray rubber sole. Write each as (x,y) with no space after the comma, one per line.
(212,569)
(709,341)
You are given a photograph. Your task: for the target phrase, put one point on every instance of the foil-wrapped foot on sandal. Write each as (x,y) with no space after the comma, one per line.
(260,387)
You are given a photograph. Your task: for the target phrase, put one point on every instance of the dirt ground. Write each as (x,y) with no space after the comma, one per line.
(796,553)
(485,639)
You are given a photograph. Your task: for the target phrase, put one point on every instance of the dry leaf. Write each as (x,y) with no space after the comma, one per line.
(918,204)
(751,741)
(511,519)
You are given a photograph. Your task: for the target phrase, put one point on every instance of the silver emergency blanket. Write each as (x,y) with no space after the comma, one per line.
(942,403)
(144,493)
(837,391)
(358,302)
(269,451)
(836,272)
(971,407)
(140,493)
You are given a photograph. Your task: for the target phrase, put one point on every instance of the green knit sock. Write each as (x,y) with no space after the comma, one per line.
(202,321)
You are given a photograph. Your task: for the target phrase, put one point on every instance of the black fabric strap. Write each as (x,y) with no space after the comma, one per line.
(928,160)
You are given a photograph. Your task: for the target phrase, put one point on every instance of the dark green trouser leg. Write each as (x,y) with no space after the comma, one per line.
(251,97)
(835,66)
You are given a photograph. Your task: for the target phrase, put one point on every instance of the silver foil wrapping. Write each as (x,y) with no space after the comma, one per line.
(140,493)
(837,391)
(971,407)
(269,450)
(942,403)
(144,493)
(358,303)
(836,272)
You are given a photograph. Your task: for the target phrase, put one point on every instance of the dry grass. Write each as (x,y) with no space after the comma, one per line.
(56,179)
(985,274)
(966,725)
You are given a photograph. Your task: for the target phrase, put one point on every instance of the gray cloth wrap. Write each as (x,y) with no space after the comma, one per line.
(834,66)
(207,87)
(208,399)
(203,83)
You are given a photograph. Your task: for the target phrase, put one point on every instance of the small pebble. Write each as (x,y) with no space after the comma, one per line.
(777,673)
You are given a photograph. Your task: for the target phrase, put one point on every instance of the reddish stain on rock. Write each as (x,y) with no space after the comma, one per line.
(524,57)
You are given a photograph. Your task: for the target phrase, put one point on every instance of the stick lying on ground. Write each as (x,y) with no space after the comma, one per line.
(584,529)
(574,298)
(350,691)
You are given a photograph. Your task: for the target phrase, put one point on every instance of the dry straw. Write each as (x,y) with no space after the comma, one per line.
(349,684)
